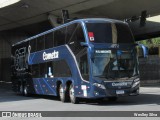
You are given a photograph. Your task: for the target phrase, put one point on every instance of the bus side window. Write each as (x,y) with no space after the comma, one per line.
(71,29)
(59,36)
(124,33)
(80,34)
(83,65)
(50,72)
(79,38)
(35,71)
(82,59)
(43,71)
(33,44)
(75,37)
(61,71)
(49,40)
(40,43)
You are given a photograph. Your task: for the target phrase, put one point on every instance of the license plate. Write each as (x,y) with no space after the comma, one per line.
(119,92)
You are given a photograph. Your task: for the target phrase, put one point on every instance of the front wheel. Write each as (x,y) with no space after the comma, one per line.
(73,99)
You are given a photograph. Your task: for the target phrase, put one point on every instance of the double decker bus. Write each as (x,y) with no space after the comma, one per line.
(86,58)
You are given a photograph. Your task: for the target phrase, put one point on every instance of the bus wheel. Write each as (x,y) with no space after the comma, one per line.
(21,90)
(25,90)
(73,99)
(62,94)
(112,99)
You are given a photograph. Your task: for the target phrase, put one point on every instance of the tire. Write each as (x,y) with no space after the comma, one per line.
(62,94)
(21,89)
(73,99)
(25,90)
(112,99)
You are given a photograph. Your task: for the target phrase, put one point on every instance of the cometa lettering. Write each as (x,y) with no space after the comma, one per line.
(119,84)
(50,56)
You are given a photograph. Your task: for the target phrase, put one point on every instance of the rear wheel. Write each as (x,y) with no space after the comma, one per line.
(62,94)
(21,89)
(73,99)
(25,90)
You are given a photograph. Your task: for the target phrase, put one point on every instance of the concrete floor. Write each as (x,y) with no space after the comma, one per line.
(148,100)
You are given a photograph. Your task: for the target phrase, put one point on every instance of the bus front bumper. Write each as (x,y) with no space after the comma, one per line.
(104,93)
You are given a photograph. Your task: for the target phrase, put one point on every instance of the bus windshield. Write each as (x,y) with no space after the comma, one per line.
(114,64)
(107,32)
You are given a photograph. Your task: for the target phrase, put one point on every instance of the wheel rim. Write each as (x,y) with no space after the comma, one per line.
(71,94)
(61,92)
(25,90)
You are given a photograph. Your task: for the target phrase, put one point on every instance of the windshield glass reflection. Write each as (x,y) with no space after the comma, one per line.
(113,64)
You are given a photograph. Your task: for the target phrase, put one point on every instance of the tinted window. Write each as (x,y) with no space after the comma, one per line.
(107,33)
(101,32)
(83,65)
(49,40)
(75,36)
(71,29)
(49,70)
(61,71)
(43,71)
(33,44)
(35,71)
(79,38)
(124,34)
(40,43)
(59,37)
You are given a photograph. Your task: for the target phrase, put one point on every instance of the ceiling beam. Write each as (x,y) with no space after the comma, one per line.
(88,4)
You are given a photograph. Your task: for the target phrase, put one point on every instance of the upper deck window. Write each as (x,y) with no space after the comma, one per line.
(75,36)
(109,33)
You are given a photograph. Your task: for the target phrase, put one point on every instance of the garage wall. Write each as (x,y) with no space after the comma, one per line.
(150,68)
(7,38)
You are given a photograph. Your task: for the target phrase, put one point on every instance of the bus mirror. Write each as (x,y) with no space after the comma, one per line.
(84,44)
(142,51)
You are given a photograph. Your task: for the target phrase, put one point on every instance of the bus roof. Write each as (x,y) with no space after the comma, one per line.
(69,23)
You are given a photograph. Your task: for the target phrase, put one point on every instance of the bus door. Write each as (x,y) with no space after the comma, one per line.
(82,58)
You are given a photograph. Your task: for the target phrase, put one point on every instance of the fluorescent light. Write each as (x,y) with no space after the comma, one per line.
(4,3)
(154,19)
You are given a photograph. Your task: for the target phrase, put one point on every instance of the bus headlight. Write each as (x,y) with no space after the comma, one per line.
(135,84)
(99,85)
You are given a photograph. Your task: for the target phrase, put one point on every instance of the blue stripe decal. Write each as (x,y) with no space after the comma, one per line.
(49,86)
(37,91)
(40,86)
(32,58)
